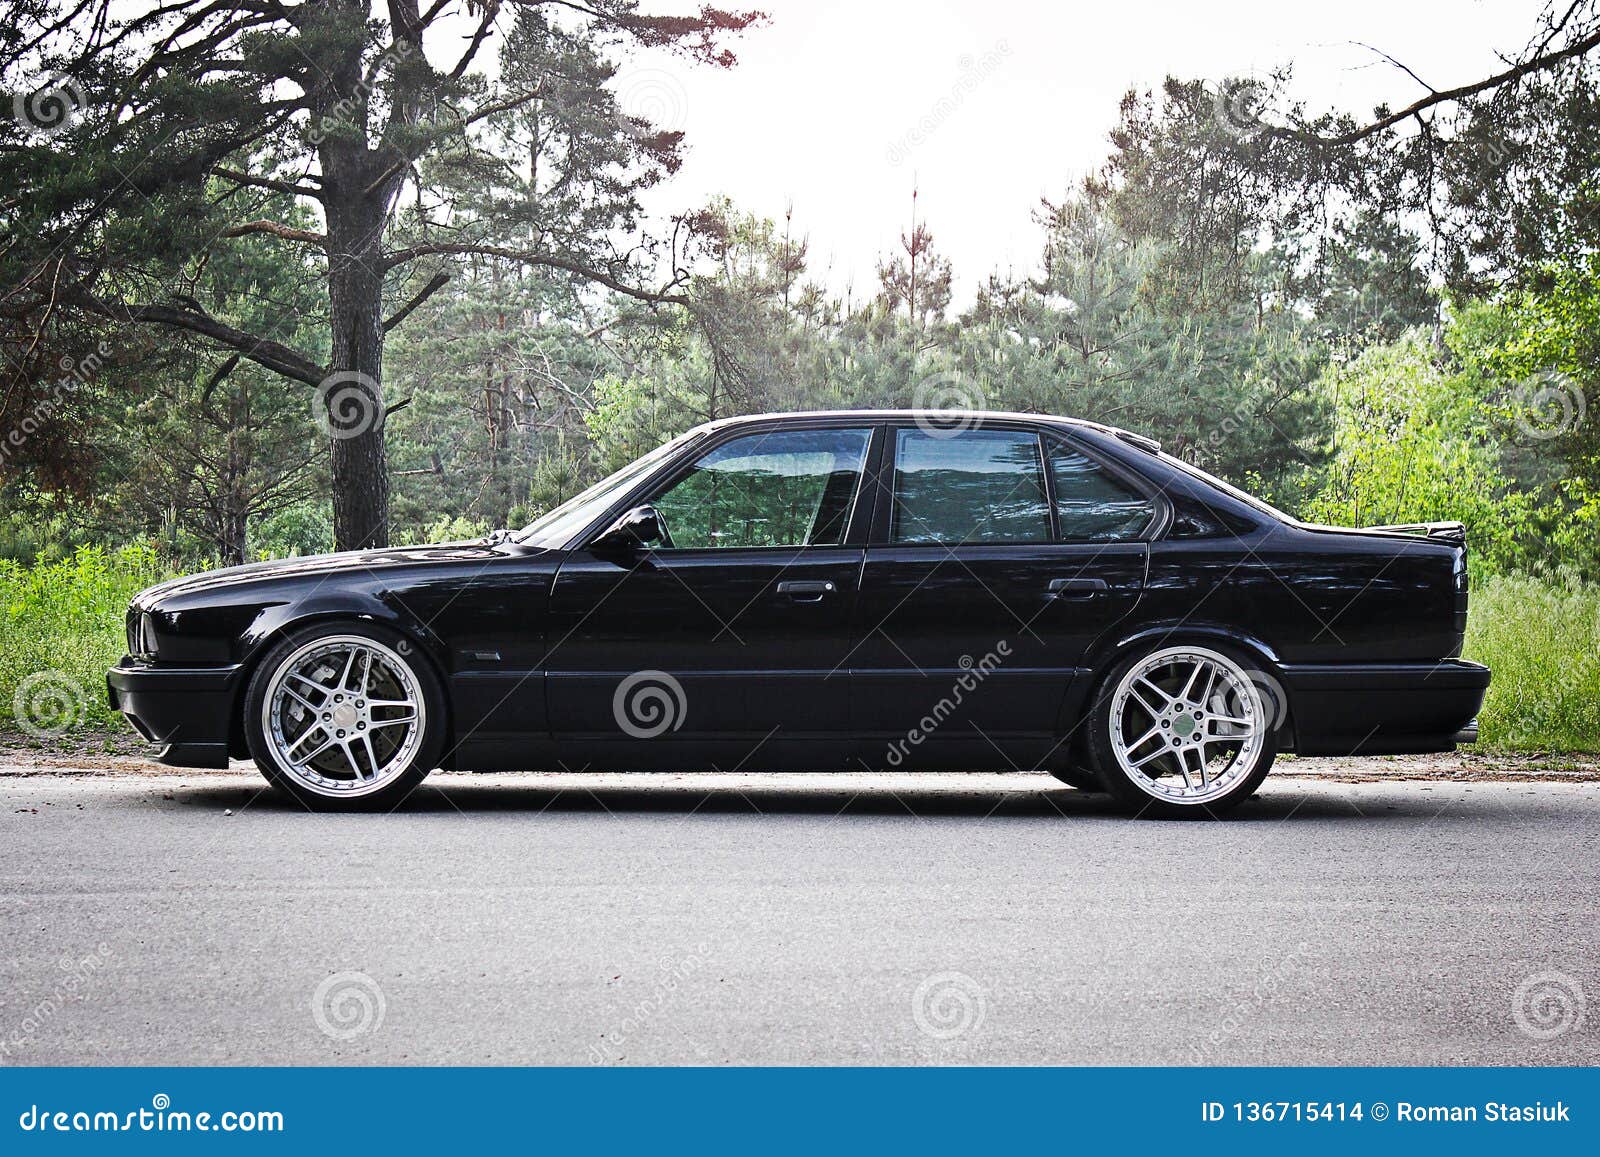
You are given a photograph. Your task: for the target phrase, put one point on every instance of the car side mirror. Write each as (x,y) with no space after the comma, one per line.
(635,530)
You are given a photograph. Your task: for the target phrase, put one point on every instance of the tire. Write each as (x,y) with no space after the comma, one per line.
(317,733)
(1184,730)
(1082,778)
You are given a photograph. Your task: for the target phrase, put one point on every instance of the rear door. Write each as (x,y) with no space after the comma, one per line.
(999,555)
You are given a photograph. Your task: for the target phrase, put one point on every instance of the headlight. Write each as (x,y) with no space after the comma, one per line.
(144,644)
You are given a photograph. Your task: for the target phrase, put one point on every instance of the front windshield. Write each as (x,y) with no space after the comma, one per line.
(557,527)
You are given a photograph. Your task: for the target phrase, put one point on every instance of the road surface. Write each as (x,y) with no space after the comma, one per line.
(194,918)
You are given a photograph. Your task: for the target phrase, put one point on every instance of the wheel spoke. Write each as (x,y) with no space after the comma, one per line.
(1188,686)
(377,723)
(1142,685)
(310,682)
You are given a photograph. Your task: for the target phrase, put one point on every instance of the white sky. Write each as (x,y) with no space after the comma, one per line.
(825,92)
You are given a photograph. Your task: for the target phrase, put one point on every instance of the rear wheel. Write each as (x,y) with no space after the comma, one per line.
(1182,731)
(345,718)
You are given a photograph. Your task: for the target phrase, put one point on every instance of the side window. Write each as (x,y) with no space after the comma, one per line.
(968,486)
(780,488)
(1091,505)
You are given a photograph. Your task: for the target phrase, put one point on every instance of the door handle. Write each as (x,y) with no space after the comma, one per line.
(1076,588)
(805,590)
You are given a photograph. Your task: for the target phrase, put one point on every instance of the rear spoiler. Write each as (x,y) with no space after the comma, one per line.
(1451,532)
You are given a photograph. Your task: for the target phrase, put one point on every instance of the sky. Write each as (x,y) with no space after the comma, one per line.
(839,109)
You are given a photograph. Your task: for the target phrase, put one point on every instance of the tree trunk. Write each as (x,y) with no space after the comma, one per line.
(352,394)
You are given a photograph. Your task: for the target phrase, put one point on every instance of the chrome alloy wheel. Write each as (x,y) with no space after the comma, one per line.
(1187,725)
(344,715)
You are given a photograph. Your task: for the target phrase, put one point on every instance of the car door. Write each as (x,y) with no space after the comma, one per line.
(999,554)
(738,629)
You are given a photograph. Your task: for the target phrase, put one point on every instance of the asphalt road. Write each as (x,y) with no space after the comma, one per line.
(763,919)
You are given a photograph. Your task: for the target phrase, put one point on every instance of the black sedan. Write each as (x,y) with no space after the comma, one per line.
(847,590)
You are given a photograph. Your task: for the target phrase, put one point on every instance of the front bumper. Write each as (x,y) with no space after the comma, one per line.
(189,711)
(1384,708)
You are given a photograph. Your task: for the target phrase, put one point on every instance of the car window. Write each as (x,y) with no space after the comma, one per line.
(779,488)
(968,486)
(559,525)
(1091,505)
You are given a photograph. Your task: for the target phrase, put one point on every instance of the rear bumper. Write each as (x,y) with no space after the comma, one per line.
(187,710)
(1384,708)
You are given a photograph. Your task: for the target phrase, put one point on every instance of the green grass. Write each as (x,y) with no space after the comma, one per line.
(61,627)
(1542,640)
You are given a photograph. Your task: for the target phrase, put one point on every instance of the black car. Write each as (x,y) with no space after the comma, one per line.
(846,590)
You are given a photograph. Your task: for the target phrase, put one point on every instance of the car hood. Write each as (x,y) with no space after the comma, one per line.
(343,562)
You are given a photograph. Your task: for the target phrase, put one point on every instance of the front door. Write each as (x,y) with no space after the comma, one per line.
(1001,555)
(735,630)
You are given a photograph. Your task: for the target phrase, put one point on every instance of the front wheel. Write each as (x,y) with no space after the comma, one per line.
(1182,731)
(345,717)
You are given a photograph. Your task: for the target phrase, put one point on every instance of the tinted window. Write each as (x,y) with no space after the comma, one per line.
(1091,505)
(969,486)
(780,488)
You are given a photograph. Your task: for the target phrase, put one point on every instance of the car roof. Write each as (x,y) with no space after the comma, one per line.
(930,415)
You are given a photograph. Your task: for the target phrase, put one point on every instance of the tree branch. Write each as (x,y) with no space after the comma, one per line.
(268,183)
(529,257)
(438,282)
(276,230)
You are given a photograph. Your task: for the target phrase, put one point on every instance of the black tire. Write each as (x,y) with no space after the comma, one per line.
(425,749)
(1124,786)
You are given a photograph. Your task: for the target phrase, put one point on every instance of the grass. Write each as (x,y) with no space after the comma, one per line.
(61,626)
(1542,640)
